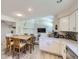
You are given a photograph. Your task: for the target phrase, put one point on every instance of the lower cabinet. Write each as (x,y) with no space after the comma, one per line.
(70,54)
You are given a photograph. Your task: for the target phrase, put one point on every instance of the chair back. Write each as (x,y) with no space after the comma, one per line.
(8,40)
(33,38)
(16,42)
(25,33)
(30,40)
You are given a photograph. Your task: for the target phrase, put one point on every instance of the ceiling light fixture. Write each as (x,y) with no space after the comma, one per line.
(19,14)
(29,9)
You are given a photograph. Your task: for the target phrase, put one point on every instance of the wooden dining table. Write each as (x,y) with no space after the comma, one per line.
(22,37)
(24,40)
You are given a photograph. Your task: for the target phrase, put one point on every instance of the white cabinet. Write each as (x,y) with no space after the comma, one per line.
(52,46)
(69,23)
(64,24)
(76,21)
(72,26)
(70,54)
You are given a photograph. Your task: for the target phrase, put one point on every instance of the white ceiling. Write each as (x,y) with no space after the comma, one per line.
(40,8)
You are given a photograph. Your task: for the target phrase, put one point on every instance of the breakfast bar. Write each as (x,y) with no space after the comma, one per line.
(57,46)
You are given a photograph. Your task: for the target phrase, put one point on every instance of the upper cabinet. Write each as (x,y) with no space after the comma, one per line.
(72,22)
(76,21)
(64,24)
(69,23)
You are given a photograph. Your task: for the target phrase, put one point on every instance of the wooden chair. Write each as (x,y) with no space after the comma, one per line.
(25,33)
(31,43)
(33,40)
(18,47)
(9,45)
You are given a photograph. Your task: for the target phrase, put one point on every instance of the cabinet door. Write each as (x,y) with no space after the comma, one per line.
(72,22)
(70,54)
(64,24)
(76,21)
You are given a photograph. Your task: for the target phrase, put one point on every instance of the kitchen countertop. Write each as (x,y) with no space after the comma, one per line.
(52,45)
(73,45)
(56,45)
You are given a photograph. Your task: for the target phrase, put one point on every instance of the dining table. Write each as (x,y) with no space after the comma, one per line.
(22,37)
(17,44)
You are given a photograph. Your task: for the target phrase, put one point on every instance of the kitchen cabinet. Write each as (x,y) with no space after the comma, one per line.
(69,23)
(70,54)
(76,21)
(56,46)
(64,24)
(72,26)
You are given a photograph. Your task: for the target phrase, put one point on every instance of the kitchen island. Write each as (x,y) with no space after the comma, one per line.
(57,46)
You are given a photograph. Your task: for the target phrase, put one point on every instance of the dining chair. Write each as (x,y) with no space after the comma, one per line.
(9,45)
(31,43)
(25,33)
(18,47)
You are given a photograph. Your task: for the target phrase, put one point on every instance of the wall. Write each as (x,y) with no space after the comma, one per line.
(30,26)
(5,29)
(7,18)
(56,22)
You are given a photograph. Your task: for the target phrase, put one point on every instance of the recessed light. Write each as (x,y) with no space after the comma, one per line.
(19,14)
(29,9)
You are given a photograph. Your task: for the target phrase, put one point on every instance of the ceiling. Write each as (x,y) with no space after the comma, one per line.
(40,8)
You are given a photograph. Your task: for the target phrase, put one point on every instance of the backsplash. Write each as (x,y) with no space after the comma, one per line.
(71,35)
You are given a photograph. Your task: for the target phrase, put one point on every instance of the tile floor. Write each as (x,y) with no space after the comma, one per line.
(36,54)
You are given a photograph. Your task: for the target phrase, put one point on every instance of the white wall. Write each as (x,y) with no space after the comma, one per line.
(5,29)
(30,26)
(56,22)
(7,18)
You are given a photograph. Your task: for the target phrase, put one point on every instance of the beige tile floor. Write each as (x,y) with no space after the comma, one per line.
(36,54)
